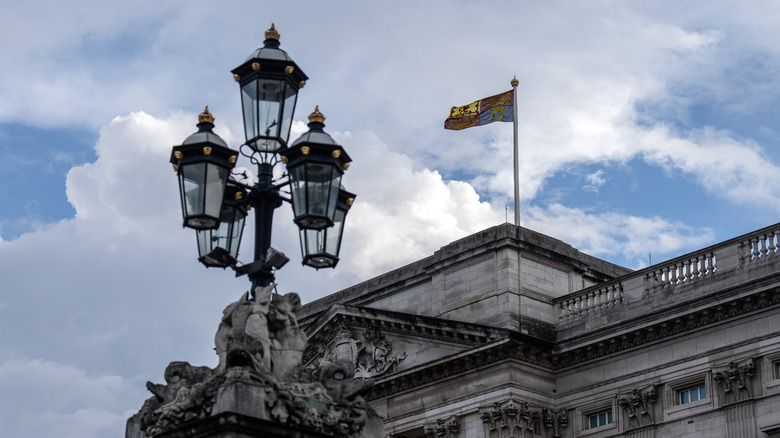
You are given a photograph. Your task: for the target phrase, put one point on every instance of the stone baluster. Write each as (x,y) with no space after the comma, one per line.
(686,266)
(763,245)
(772,248)
(673,275)
(695,265)
(592,301)
(650,281)
(745,251)
(710,263)
(585,303)
(756,252)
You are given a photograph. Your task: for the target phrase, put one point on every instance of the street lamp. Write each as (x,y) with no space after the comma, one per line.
(216,205)
(320,248)
(218,247)
(203,163)
(269,81)
(315,163)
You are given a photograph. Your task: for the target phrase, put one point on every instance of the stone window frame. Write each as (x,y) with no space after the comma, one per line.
(672,391)
(772,370)
(586,412)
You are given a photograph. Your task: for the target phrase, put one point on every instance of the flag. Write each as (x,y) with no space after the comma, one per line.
(498,108)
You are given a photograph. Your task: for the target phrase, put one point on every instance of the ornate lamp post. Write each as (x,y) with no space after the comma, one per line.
(215,204)
(259,387)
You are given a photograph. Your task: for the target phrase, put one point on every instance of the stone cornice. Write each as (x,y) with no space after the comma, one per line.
(514,346)
(324,329)
(663,323)
(695,320)
(502,350)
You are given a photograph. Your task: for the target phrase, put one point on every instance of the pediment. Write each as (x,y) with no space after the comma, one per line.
(381,343)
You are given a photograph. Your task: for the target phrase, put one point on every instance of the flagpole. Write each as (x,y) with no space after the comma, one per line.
(515,83)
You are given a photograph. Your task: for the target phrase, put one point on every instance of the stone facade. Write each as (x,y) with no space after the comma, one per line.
(511,333)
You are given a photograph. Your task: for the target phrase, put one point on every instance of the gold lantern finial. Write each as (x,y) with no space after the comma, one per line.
(316,116)
(206,116)
(272,34)
(514,82)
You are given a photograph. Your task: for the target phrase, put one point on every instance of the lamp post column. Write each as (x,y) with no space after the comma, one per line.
(264,199)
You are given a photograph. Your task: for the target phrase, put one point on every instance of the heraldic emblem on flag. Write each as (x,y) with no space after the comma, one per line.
(498,108)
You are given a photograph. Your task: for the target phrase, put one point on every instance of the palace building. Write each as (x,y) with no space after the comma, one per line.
(512,333)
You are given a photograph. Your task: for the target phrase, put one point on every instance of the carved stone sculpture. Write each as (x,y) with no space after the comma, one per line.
(260,375)
(735,381)
(443,428)
(638,407)
(512,419)
(371,354)
(556,420)
(374,354)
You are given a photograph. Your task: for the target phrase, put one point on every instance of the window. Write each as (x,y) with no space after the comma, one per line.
(691,395)
(600,419)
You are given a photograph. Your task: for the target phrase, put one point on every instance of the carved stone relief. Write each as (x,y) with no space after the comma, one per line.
(735,382)
(443,428)
(260,348)
(555,419)
(512,419)
(638,407)
(371,353)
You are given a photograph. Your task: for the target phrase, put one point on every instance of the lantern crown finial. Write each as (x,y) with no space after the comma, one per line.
(272,34)
(205,116)
(514,81)
(316,116)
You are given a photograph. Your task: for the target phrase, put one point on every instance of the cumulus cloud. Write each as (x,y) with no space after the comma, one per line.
(67,402)
(610,234)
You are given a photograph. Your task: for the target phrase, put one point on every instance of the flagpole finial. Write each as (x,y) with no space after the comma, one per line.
(514,82)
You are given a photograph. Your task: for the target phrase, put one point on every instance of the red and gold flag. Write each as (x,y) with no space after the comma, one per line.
(498,108)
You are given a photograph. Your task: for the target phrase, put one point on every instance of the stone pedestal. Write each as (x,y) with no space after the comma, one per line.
(233,425)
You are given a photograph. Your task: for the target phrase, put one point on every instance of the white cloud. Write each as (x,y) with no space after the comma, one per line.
(47,399)
(610,234)
(741,172)
(595,180)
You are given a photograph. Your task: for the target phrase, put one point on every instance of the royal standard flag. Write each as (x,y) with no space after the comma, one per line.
(498,108)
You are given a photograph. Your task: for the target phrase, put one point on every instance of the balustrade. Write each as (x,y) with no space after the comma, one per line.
(760,247)
(604,297)
(756,247)
(682,271)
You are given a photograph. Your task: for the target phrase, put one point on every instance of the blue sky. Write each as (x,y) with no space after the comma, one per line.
(644,128)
